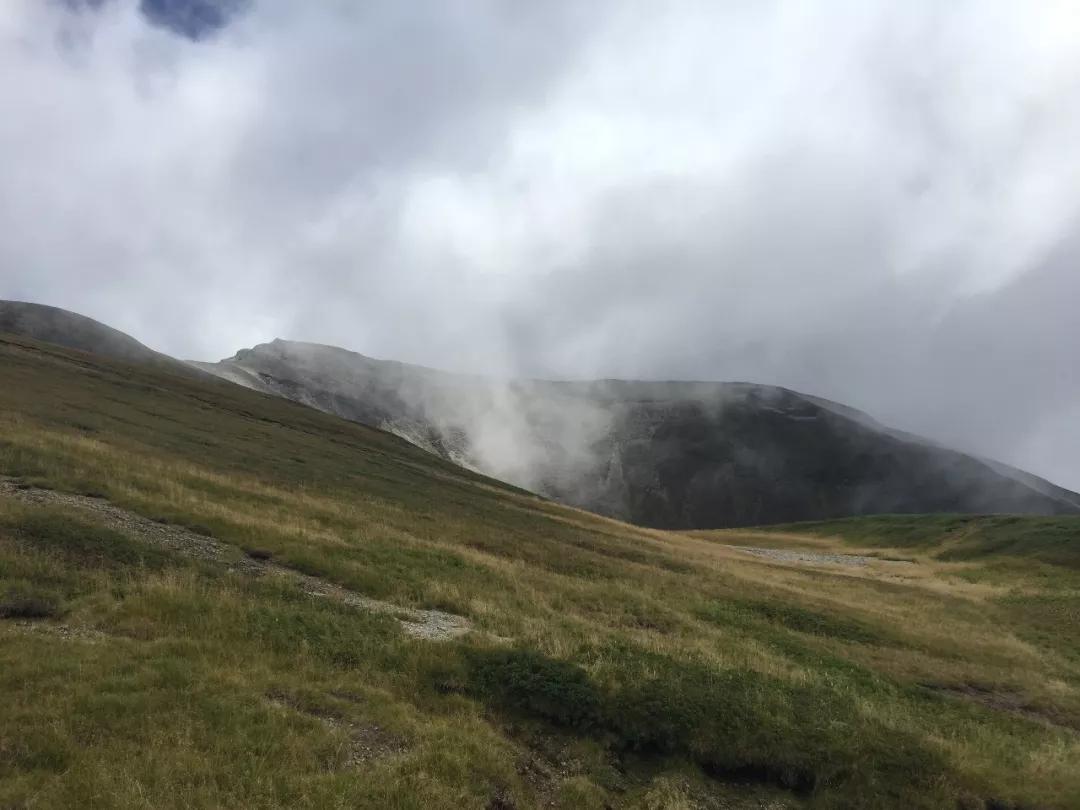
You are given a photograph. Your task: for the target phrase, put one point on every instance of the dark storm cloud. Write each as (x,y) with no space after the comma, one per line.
(873,202)
(194,19)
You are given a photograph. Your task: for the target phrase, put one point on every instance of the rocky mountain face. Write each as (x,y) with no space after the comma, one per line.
(663,454)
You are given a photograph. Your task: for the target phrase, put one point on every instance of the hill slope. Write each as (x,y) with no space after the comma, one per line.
(662,454)
(74,331)
(210,597)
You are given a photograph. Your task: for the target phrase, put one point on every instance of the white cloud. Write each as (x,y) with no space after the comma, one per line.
(804,193)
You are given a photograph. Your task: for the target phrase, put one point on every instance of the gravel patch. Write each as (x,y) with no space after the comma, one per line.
(430,624)
(174,538)
(366,741)
(434,625)
(66,632)
(815,558)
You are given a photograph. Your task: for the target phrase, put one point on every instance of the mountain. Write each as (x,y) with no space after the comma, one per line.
(660,454)
(210,597)
(74,331)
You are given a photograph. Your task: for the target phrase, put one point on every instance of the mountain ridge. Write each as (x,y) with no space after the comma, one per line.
(74,331)
(619,451)
(665,454)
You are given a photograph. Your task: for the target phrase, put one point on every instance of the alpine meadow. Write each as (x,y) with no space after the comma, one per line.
(212,597)
(500,405)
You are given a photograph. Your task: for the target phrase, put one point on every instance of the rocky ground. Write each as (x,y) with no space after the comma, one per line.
(429,624)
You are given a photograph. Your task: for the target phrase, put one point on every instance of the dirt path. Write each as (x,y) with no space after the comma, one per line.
(815,557)
(429,624)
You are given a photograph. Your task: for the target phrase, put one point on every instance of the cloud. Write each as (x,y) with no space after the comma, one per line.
(194,19)
(873,202)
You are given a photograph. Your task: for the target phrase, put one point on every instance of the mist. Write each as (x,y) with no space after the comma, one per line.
(873,202)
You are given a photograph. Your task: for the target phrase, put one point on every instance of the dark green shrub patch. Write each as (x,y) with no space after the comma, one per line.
(734,723)
(529,682)
(737,725)
(21,600)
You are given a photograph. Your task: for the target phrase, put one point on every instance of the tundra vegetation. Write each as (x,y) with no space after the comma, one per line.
(606,665)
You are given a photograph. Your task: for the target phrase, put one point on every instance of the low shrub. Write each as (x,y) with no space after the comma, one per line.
(735,724)
(22,600)
(529,682)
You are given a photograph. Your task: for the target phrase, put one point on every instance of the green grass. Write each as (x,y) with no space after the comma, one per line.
(734,723)
(754,613)
(611,666)
(1054,540)
(78,544)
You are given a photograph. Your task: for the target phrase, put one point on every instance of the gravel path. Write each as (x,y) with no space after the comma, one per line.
(174,538)
(814,557)
(429,624)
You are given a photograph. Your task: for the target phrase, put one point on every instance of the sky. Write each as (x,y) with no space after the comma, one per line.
(875,202)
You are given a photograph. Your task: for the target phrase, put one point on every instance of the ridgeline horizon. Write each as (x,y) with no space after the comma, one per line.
(664,454)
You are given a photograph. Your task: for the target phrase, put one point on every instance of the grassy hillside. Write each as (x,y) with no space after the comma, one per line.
(1053,540)
(187,576)
(74,331)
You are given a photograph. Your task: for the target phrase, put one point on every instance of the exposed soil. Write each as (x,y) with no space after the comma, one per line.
(540,778)
(67,632)
(815,557)
(427,624)
(174,538)
(367,742)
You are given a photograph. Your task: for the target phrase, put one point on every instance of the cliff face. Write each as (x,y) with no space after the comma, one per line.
(674,455)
